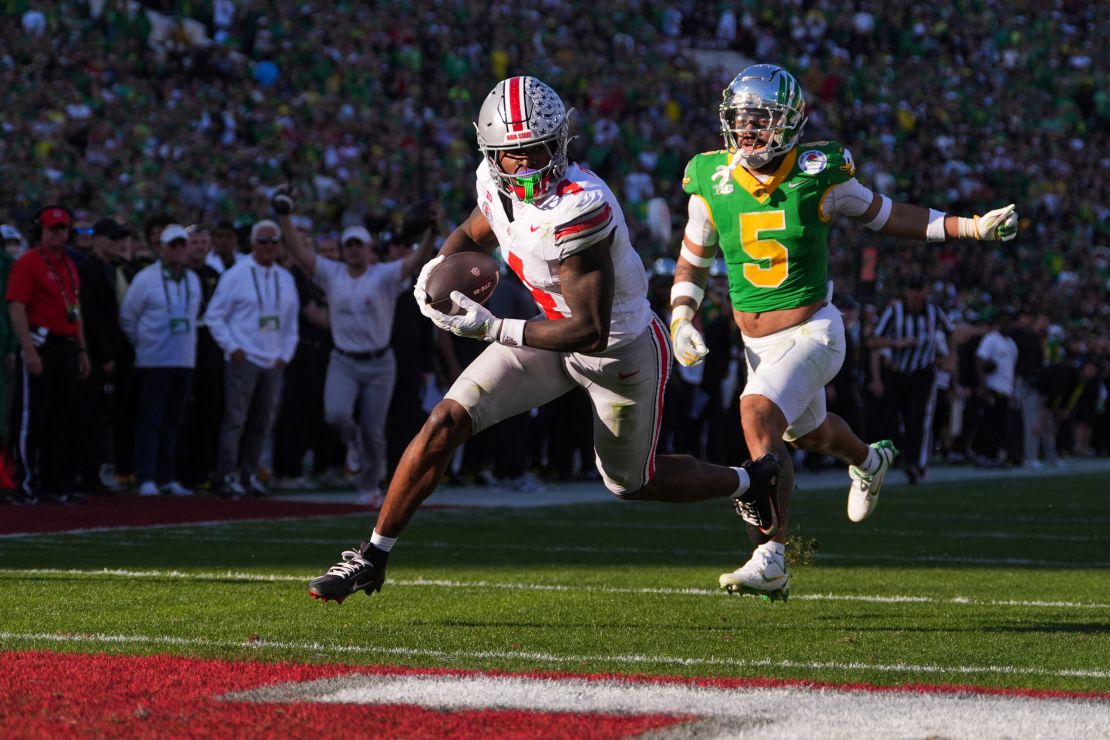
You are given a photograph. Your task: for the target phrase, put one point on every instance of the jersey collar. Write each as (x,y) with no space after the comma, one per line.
(761,191)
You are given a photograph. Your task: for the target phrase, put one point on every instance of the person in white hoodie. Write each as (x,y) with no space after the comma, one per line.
(159,318)
(253,318)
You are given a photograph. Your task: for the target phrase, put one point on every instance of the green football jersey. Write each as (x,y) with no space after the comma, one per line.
(772,235)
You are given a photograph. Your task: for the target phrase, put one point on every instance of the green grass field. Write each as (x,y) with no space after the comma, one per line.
(983,584)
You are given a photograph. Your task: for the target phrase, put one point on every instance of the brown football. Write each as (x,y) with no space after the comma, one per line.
(474,274)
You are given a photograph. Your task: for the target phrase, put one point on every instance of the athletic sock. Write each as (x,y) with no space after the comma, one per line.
(377,549)
(873,462)
(745,482)
(778,548)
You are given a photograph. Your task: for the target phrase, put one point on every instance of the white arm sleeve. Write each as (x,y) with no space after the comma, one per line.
(849,198)
(699,226)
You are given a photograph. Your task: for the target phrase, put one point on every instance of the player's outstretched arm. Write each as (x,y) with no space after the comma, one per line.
(284,205)
(909,221)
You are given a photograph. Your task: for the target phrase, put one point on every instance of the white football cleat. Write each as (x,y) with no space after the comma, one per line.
(763,575)
(863,496)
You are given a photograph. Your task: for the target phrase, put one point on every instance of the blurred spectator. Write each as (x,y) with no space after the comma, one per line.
(1030,363)
(225,248)
(300,426)
(200,430)
(44,303)
(253,318)
(996,363)
(412,340)
(105,340)
(159,317)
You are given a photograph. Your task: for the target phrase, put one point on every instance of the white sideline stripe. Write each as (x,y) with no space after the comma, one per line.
(233,576)
(102,638)
(788,711)
(864,558)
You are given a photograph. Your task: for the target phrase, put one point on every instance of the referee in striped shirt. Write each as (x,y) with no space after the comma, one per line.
(911,330)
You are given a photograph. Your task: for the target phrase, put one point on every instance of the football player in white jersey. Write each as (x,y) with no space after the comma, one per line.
(562,231)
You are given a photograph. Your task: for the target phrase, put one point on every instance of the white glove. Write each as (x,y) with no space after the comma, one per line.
(689,347)
(476,321)
(998,225)
(419,290)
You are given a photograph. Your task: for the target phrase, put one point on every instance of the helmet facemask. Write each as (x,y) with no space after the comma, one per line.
(762,115)
(521,113)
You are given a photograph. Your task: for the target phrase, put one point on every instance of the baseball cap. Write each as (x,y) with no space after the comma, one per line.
(110,228)
(173,231)
(54,216)
(9,233)
(355,232)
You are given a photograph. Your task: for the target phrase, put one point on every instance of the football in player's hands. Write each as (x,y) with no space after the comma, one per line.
(474,274)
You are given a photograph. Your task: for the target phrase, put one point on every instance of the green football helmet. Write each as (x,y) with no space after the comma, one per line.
(763,112)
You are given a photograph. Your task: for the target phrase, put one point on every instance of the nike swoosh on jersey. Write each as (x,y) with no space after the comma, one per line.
(793,184)
(534,228)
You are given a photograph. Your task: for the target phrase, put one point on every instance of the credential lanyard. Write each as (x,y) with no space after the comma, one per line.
(258,292)
(166,291)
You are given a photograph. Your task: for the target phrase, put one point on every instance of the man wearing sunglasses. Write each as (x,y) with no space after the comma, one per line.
(253,318)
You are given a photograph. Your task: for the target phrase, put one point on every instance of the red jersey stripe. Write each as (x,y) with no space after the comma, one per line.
(591,221)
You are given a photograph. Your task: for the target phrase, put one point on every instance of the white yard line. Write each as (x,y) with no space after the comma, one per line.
(233,576)
(632,659)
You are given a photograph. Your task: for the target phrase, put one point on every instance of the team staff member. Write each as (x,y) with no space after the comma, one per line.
(44,303)
(253,318)
(159,317)
(361,304)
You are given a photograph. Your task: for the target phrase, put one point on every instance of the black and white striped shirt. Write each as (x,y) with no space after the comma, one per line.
(896,323)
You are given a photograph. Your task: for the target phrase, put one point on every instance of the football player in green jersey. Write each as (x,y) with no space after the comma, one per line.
(767,201)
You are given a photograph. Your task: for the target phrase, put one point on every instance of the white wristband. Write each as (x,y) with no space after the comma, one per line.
(687,289)
(935,231)
(697,261)
(968,228)
(512,332)
(882,216)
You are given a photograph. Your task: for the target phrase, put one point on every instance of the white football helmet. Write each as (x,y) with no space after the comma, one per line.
(521,112)
(763,99)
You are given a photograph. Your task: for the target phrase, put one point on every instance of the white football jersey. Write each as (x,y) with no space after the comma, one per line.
(539,236)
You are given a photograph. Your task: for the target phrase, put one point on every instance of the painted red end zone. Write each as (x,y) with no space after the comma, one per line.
(136,511)
(62,694)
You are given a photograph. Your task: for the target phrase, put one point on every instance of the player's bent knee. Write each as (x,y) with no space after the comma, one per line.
(449,424)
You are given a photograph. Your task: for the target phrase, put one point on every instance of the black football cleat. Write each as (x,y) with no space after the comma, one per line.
(759,505)
(352,573)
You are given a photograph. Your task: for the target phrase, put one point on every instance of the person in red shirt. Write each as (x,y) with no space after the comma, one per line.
(44,303)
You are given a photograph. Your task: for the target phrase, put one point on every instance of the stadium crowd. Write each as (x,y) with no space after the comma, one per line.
(190,113)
